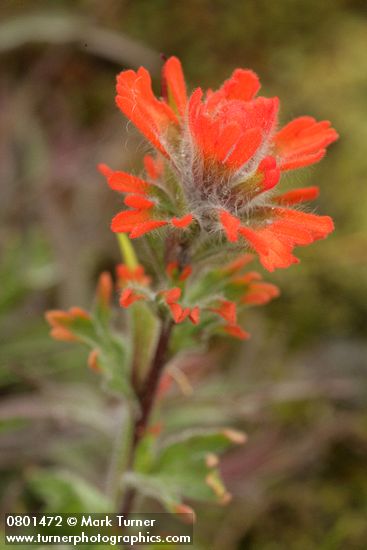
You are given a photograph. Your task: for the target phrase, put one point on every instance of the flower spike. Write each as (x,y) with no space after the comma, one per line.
(219,159)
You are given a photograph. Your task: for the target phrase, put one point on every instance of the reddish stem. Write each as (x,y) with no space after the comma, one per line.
(146,398)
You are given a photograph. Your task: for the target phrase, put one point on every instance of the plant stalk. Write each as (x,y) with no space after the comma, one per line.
(147,395)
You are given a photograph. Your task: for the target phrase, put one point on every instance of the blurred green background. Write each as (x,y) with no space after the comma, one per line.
(298,387)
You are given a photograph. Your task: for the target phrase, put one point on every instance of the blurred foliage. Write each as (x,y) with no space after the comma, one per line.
(299,386)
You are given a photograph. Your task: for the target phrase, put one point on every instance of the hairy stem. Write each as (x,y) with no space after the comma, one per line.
(146,397)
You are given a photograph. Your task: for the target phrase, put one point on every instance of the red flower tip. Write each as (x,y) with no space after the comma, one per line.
(139,202)
(135,222)
(172,270)
(260,294)
(92,361)
(145,227)
(182,222)
(185,273)
(195,315)
(125,221)
(318,226)
(238,263)
(129,297)
(127,275)
(270,173)
(219,130)
(243,84)
(171,295)
(247,278)
(227,310)
(153,166)
(274,243)
(237,332)
(104,288)
(104,170)
(127,183)
(230,225)
(303,141)
(297,195)
(174,82)
(60,321)
(137,101)
(179,313)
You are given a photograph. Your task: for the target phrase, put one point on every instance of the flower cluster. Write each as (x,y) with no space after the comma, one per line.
(219,159)
(213,299)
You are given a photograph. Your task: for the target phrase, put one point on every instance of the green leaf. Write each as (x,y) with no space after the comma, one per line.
(145,456)
(185,467)
(114,359)
(65,492)
(152,486)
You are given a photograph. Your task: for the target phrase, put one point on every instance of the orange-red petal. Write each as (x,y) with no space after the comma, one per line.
(230,224)
(145,227)
(174,82)
(195,315)
(182,222)
(245,148)
(179,313)
(139,202)
(297,196)
(125,221)
(126,274)
(243,84)
(270,173)
(129,296)
(238,263)
(153,166)
(260,293)
(136,100)
(105,170)
(171,295)
(127,183)
(227,310)
(272,252)
(303,141)
(274,243)
(236,331)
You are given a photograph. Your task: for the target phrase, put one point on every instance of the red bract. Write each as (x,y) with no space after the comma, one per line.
(126,275)
(219,160)
(62,323)
(213,298)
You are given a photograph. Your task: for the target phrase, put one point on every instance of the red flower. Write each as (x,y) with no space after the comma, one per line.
(222,294)
(129,297)
(303,141)
(224,158)
(136,287)
(62,323)
(174,271)
(178,312)
(127,275)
